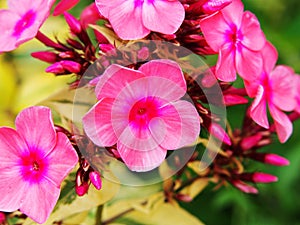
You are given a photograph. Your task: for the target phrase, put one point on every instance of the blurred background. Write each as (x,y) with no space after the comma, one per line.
(23,82)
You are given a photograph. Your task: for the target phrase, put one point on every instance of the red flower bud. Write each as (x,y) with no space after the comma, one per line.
(90,15)
(73,23)
(212,6)
(95,178)
(244,187)
(249,142)
(258,177)
(45,56)
(56,68)
(269,158)
(2,218)
(82,189)
(63,6)
(71,66)
(217,131)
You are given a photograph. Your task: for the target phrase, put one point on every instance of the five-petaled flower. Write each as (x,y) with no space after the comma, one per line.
(238,38)
(277,88)
(34,162)
(134,19)
(22,21)
(140,111)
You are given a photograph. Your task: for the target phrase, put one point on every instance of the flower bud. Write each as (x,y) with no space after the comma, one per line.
(258,177)
(73,23)
(71,66)
(82,189)
(56,68)
(246,188)
(183,198)
(49,57)
(2,218)
(106,47)
(230,100)
(96,180)
(249,142)
(270,158)
(63,6)
(212,6)
(90,15)
(217,131)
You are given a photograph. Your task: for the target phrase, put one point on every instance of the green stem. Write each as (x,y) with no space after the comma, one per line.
(99,215)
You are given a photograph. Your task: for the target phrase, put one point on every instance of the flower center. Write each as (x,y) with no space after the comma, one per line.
(234,36)
(26,21)
(35,166)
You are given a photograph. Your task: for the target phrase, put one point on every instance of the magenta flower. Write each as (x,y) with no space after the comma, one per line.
(140,111)
(22,21)
(34,161)
(277,88)
(238,38)
(134,19)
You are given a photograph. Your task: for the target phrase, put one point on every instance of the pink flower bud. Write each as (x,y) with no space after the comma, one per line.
(258,177)
(249,142)
(231,100)
(212,6)
(82,189)
(106,48)
(45,56)
(217,131)
(75,44)
(56,68)
(71,66)
(63,6)
(184,198)
(95,178)
(73,23)
(143,53)
(66,55)
(2,218)
(269,158)
(244,187)
(90,15)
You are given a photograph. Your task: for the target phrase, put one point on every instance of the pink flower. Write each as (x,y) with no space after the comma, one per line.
(134,19)
(140,111)
(22,21)
(297,108)
(277,88)
(34,161)
(238,38)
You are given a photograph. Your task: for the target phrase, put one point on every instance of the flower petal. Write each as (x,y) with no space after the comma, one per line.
(214,28)
(163,16)
(249,64)
(114,79)
(64,5)
(98,125)
(35,125)
(253,37)
(181,125)
(284,86)
(283,125)
(270,56)
(8,20)
(104,5)
(233,13)
(126,20)
(258,110)
(225,69)
(165,68)
(40,200)
(62,159)
(141,161)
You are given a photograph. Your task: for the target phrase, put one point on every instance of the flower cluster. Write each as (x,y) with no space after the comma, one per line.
(149,97)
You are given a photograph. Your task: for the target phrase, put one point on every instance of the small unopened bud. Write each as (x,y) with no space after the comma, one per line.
(270,158)
(184,198)
(63,6)
(230,100)
(56,68)
(258,177)
(249,142)
(90,15)
(2,218)
(71,66)
(66,55)
(73,23)
(75,44)
(96,180)
(45,56)
(82,189)
(106,47)
(246,188)
(143,53)
(217,131)
(212,6)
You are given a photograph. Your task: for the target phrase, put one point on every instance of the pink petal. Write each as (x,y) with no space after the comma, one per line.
(104,6)
(270,56)
(64,5)
(233,13)
(284,86)
(114,79)
(182,125)
(165,69)
(142,161)
(225,70)
(12,188)
(126,20)
(214,28)
(98,125)
(40,200)
(249,64)
(259,109)
(8,20)
(163,16)
(62,159)
(12,147)
(35,125)
(283,125)
(253,37)
(251,87)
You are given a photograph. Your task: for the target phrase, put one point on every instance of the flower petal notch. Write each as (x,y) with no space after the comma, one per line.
(135,19)
(34,162)
(141,112)
(22,21)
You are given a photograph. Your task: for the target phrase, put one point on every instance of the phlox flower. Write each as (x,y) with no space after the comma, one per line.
(276,88)
(134,19)
(34,162)
(21,21)
(238,38)
(140,111)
